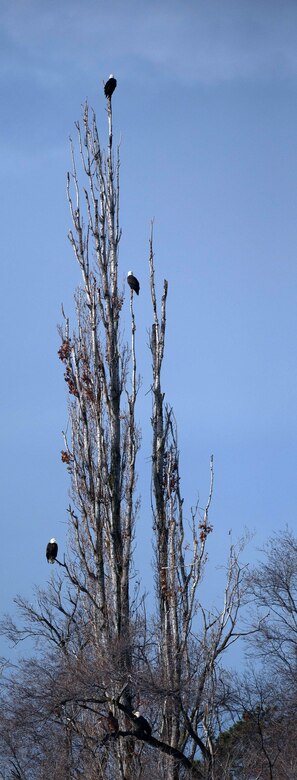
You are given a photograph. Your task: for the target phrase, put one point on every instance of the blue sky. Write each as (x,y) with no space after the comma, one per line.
(206,108)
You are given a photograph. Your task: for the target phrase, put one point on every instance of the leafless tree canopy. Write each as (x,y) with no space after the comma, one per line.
(273,586)
(71,710)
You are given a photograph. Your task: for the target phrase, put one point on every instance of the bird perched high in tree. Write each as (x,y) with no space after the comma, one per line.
(133,282)
(51,551)
(110,86)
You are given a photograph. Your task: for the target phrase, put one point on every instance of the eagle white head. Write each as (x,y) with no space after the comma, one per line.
(53,541)
(130,273)
(136,713)
(111,76)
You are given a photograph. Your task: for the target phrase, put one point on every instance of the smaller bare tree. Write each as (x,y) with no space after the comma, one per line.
(273,586)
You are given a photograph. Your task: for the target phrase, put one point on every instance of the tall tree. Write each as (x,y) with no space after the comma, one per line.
(108,659)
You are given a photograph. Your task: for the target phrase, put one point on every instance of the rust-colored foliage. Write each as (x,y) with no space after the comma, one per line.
(65,456)
(64,351)
(87,385)
(205,529)
(71,381)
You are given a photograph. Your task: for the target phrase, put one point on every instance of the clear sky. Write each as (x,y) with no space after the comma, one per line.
(206,108)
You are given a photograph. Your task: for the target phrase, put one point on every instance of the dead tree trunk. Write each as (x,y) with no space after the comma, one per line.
(101,455)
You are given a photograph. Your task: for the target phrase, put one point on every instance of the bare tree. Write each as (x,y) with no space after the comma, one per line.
(273,585)
(261,741)
(192,641)
(105,657)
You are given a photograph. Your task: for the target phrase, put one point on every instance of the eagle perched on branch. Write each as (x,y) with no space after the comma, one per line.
(133,282)
(142,724)
(109,86)
(51,551)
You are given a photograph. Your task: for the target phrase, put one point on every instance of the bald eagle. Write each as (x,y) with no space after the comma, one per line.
(51,551)
(110,86)
(133,282)
(143,726)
